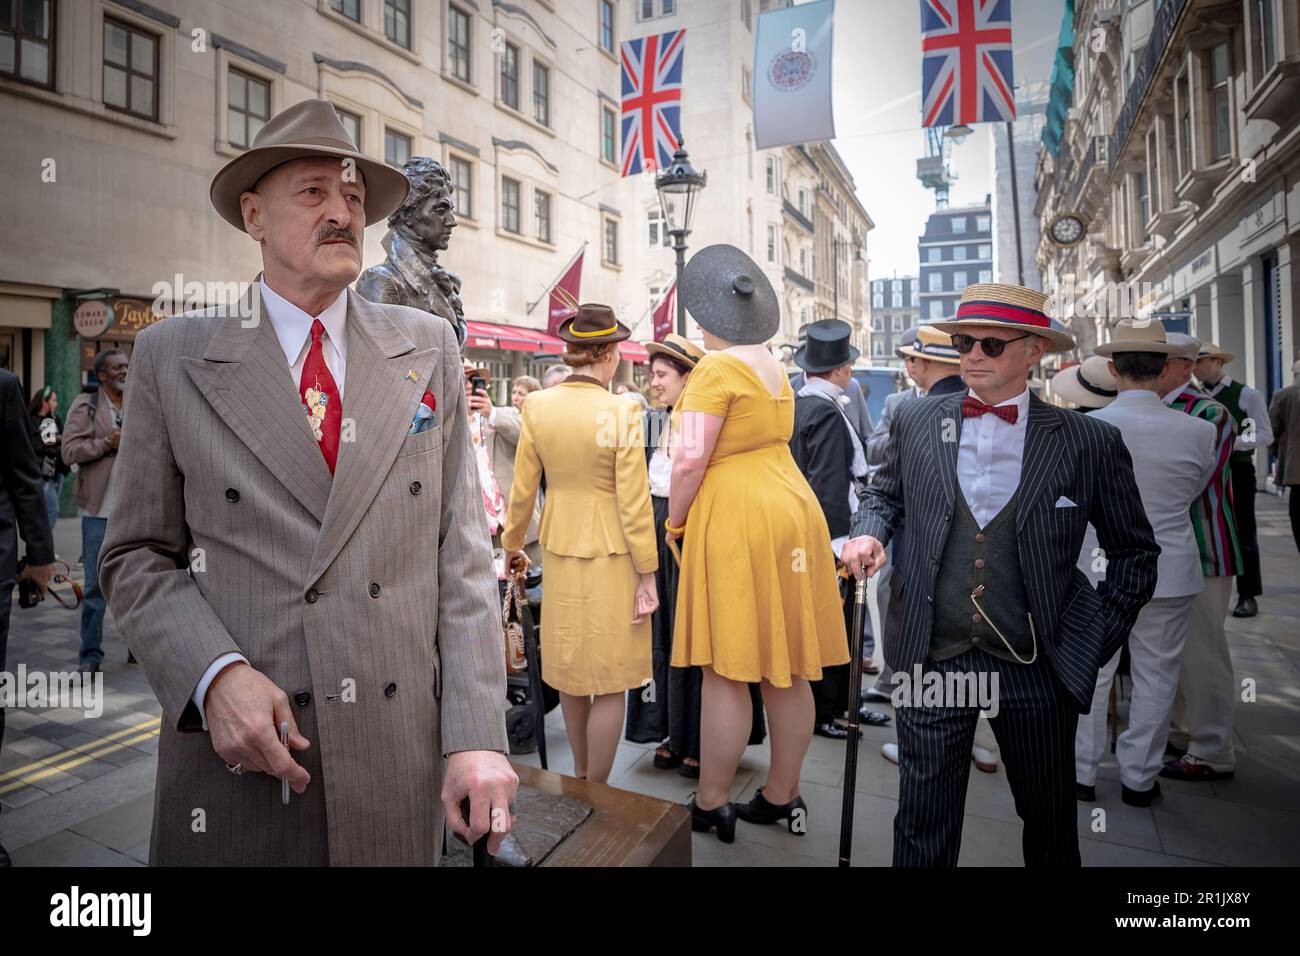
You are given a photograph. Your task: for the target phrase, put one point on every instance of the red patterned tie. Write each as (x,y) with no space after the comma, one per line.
(973,408)
(320,398)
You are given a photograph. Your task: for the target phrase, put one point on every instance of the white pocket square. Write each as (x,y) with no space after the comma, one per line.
(1064,502)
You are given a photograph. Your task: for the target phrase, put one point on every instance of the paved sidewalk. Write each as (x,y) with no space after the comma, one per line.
(79,791)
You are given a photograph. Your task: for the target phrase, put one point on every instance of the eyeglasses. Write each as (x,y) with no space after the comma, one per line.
(991,346)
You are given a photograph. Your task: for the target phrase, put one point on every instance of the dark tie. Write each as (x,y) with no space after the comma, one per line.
(974,408)
(320,398)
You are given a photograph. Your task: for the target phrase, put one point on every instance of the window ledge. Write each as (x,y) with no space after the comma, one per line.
(88,107)
(370,34)
(1200,182)
(524,117)
(615,266)
(1165,222)
(1274,98)
(613,57)
(606,162)
(467,221)
(524,239)
(455,80)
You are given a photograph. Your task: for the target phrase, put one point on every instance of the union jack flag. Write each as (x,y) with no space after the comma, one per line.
(966,62)
(652,101)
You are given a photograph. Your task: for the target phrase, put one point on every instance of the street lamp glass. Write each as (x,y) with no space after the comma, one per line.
(678,185)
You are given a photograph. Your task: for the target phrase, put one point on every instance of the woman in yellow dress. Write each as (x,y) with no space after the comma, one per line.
(758,599)
(597,537)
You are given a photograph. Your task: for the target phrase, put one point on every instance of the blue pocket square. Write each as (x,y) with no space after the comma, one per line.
(425,418)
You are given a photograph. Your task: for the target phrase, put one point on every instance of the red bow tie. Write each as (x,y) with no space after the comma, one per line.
(973,408)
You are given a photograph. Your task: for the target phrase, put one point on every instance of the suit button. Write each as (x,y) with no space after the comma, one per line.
(416,487)
(979,562)
(232,495)
(975,618)
(979,536)
(374,589)
(312,595)
(302,698)
(390,690)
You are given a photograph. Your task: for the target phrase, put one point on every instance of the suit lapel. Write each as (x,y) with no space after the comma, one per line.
(386,378)
(243,376)
(1042,453)
(945,451)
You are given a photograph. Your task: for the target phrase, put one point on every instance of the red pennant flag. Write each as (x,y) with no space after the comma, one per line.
(665,313)
(564,297)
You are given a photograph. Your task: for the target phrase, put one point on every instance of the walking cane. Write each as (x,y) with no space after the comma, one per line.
(855,696)
(481,855)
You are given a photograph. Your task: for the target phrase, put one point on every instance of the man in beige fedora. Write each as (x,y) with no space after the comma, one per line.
(1250,414)
(306,575)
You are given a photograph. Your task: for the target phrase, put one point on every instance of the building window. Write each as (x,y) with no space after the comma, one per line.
(1264,36)
(608,135)
(986,275)
(959,280)
(509,204)
(607,26)
(803,201)
(352,123)
(745,84)
(645,9)
(462,186)
(878,300)
(959,224)
(771,175)
(610,246)
(936,281)
(877,322)
(934,254)
(458,43)
(542,93)
(986,251)
(397,21)
(25,31)
(896,285)
(747,14)
(510,76)
(1143,206)
(1181,90)
(248,107)
(916,296)
(936,309)
(981,223)
(542,214)
(771,243)
(896,300)
(877,348)
(1220,104)
(897,324)
(130,69)
(397,148)
(669,7)
(349,8)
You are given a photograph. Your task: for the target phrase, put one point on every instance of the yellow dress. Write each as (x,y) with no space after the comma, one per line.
(597,533)
(758,596)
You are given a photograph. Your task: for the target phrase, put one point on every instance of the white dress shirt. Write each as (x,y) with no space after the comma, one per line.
(293,328)
(1252,403)
(989,457)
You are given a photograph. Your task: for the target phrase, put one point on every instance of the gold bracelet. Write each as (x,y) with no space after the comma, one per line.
(671,530)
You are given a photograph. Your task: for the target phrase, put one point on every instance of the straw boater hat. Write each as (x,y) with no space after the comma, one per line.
(1149,336)
(1212,350)
(310,128)
(1191,346)
(593,324)
(678,348)
(1089,385)
(729,295)
(826,346)
(905,339)
(1007,307)
(931,344)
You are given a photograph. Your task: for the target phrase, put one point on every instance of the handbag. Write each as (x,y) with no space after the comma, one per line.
(512,626)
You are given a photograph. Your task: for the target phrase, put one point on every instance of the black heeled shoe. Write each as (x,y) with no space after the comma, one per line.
(723,818)
(762,810)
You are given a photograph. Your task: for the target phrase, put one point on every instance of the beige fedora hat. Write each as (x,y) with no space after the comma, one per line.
(1212,350)
(931,344)
(1148,336)
(1008,307)
(1088,385)
(309,128)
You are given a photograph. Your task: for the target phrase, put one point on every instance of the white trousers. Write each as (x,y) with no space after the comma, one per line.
(1207,687)
(1155,647)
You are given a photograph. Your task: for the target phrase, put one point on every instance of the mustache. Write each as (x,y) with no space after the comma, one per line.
(327,233)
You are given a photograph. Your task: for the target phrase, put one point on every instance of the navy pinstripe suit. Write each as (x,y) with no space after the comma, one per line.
(1078,627)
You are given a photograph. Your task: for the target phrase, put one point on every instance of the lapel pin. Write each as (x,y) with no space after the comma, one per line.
(411,376)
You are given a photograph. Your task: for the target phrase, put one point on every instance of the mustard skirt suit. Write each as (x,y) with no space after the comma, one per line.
(596,534)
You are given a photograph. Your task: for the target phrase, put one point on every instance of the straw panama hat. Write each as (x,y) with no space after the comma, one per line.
(1128,336)
(1007,307)
(1212,350)
(1190,345)
(306,129)
(678,348)
(1088,385)
(931,344)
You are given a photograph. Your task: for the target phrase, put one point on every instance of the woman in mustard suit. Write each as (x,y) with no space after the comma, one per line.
(597,537)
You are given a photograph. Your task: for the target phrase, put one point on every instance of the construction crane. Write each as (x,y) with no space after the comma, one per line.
(932,169)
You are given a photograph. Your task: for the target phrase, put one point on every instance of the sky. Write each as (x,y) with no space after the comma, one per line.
(877,80)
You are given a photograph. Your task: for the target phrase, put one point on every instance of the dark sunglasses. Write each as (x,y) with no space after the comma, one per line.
(991,346)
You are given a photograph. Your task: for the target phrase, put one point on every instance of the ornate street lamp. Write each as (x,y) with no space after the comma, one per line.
(678,185)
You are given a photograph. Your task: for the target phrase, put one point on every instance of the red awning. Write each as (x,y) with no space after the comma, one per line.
(489,335)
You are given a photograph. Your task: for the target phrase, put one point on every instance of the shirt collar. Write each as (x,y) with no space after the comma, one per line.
(824,386)
(1132,396)
(1170,397)
(293,326)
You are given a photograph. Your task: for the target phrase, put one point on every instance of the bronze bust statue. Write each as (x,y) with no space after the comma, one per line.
(419,230)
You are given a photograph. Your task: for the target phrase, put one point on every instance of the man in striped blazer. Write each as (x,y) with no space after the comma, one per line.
(998,488)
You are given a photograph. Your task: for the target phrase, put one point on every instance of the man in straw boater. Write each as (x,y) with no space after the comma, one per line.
(309,578)
(998,487)
(1173,460)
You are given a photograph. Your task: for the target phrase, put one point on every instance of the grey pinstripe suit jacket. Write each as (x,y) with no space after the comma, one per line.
(1066,454)
(383,681)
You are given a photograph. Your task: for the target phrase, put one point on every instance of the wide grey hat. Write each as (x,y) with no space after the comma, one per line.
(729,295)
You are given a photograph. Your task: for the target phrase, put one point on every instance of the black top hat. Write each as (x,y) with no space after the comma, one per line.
(827,347)
(593,324)
(729,295)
